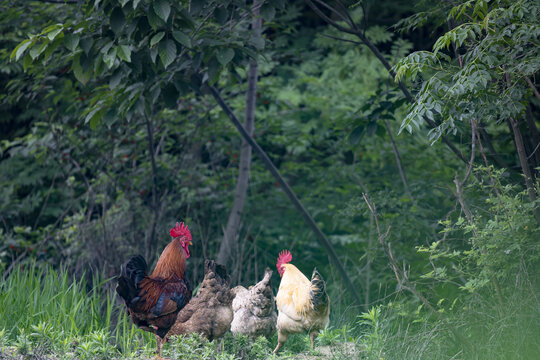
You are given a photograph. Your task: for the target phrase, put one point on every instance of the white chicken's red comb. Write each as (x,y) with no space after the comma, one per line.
(284,257)
(180,230)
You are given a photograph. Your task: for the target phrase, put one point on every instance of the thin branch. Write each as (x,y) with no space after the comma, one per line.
(398,160)
(494,153)
(354,30)
(535,135)
(455,5)
(473,152)
(531,85)
(461,199)
(341,39)
(525,166)
(59,1)
(289,192)
(45,202)
(405,283)
(535,149)
(347,19)
(492,179)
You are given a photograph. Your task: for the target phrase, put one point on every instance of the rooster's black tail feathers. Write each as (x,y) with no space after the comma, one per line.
(318,290)
(133,271)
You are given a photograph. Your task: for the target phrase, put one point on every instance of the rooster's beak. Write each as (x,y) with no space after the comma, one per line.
(190,243)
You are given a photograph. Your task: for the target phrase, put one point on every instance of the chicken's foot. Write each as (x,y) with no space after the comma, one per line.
(312,337)
(277,347)
(281,340)
(160,343)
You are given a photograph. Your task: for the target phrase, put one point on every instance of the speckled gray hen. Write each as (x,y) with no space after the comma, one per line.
(254,309)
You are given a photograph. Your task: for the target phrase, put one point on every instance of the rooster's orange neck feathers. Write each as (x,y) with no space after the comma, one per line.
(172,261)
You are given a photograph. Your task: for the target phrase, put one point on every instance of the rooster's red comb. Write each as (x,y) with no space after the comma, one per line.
(180,230)
(284,257)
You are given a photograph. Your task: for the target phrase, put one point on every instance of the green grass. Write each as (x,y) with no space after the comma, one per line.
(44,310)
(45,314)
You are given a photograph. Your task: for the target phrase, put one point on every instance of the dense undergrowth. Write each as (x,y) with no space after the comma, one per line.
(46,315)
(476,297)
(90,175)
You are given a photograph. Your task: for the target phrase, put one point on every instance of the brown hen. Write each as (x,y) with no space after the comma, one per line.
(209,313)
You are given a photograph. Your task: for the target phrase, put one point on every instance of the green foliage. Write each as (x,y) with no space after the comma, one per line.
(501,238)
(494,49)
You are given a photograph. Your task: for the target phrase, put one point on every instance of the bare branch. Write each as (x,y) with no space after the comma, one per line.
(531,85)
(405,283)
(289,192)
(473,152)
(353,29)
(341,39)
(398,160)
(492,179)
(59,1)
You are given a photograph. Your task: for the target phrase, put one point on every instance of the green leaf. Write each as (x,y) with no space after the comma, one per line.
(224,57)
(153,55)
(153,19)
(115,79)
(109,58)
(135,4)
(268,12)
(371,128)
(51,47)
(51,35)
(182,38)
(82,75)
(117,20)
(167,52)
(86,44)
(196,6)
(124,53)
(19,49)
(71,41)
(170,96)
(93,117)
(156,38)
(356,134)
(258,42)
(50,28)
(162,9)
(35,51)
(221,15)
(213,72)
(27,62)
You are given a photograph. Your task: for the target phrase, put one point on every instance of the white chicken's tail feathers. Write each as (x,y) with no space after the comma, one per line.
(319,298)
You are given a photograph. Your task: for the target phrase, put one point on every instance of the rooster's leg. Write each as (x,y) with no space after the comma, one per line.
(312,337)
(281,340)
(160,343)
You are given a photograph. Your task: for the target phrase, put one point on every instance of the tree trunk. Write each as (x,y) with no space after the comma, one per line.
(230,236)
(524,165)
(290,193)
